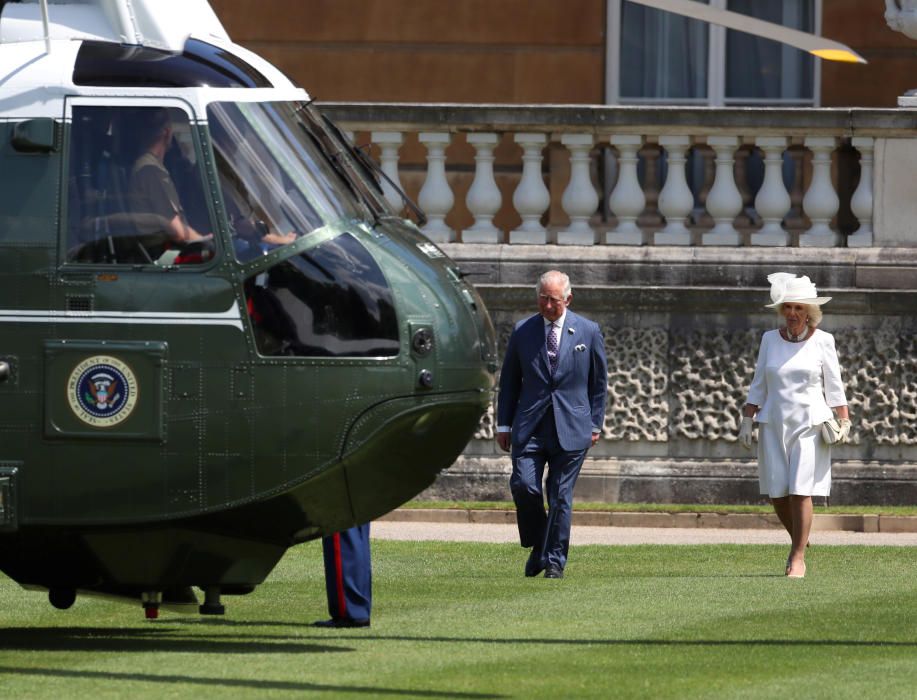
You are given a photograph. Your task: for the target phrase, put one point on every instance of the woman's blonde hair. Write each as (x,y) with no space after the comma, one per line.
(814,314)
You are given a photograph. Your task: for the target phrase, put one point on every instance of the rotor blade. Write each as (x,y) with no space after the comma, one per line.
(815,45)
(44,24)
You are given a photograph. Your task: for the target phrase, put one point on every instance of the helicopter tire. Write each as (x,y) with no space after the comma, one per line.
(62,598)
(212,604)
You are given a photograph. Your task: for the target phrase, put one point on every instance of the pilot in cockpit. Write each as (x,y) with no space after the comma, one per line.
(248,180)
(152,190)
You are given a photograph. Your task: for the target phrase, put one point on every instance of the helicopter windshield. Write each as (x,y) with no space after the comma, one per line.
(277,181)
(329,301)
(352,161)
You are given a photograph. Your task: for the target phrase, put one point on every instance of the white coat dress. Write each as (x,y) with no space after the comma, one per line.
(794,386)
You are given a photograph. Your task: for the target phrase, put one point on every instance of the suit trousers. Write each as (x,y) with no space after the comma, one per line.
(548,533)
(348,574)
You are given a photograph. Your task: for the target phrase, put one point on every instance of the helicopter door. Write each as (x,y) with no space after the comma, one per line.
(138,278)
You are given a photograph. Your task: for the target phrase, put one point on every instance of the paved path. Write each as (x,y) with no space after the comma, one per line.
(584,534)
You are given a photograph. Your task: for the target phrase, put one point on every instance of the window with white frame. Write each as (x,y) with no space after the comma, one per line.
(656,57)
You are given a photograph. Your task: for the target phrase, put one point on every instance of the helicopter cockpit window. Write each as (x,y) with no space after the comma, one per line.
(329,301)
(135,192)
(276,182)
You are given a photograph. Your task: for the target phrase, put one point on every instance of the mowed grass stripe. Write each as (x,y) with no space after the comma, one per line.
(456,620)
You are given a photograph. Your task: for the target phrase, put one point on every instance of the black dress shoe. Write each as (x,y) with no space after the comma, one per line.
(535,564)
(553,572)
(341,622)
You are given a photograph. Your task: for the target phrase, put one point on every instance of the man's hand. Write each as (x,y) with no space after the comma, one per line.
(595,438)
(503,440)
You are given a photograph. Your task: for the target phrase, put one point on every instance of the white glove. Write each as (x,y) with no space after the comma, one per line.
(845,430)
(745,432)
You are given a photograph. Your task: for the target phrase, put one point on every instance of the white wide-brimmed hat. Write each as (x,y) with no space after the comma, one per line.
(787,288)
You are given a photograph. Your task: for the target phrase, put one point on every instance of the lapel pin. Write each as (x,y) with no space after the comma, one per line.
(571,331)
(580,348)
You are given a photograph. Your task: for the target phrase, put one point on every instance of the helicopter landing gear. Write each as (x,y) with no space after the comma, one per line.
(212,604)
(151,601)
(61,598)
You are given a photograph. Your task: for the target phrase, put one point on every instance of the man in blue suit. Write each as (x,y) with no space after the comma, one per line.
(550,411)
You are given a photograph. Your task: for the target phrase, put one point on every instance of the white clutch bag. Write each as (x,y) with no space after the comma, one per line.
(831,431)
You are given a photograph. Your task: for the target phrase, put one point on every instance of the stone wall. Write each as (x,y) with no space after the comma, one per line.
(681,352)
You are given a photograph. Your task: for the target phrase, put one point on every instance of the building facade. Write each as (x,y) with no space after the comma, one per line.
(571,52)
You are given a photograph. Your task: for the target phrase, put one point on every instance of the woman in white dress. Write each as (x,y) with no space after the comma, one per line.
(797,386)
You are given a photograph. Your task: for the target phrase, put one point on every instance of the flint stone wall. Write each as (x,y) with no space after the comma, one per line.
(682,328)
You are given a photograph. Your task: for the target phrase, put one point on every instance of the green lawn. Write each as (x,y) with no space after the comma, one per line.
(458,620)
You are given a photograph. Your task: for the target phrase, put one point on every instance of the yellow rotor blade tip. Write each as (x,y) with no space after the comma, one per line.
(838,55)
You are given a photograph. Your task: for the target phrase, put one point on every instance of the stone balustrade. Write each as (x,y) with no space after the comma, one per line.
(587,175)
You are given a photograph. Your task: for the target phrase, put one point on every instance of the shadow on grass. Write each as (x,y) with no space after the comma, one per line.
(151,639)
(853,643)
(108,677)
(224,622)
(367,635)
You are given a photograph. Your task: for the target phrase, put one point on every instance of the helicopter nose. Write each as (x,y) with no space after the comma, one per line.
(397,449)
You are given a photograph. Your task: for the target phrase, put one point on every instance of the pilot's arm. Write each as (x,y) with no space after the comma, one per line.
(183,232)
(247,223)
(278,238)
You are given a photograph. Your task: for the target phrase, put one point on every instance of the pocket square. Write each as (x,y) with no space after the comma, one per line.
(580,348)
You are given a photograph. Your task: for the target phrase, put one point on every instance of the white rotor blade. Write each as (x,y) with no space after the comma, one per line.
(815,45)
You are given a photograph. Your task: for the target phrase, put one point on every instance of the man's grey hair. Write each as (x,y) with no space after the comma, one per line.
(554,276)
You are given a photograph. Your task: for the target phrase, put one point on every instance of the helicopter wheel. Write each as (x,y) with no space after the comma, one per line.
(61,598)
(212,604)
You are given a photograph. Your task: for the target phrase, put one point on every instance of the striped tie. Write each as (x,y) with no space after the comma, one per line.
(552,348)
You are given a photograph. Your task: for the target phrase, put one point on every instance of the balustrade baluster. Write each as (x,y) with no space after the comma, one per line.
(821,201)
(650,158)
(436,197)
(389,142)
(483,198)
(724,202)
(675,200)
(580,199)
(773,201)
(627,199)
(531,198)
(861,203)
